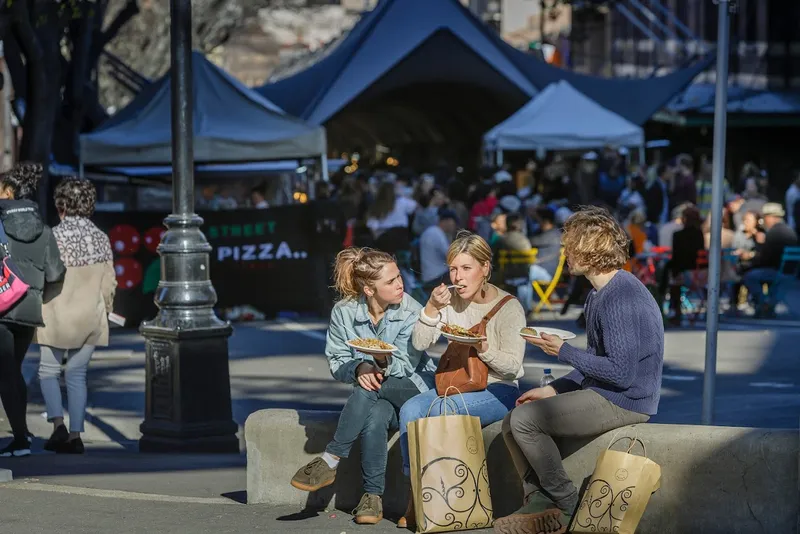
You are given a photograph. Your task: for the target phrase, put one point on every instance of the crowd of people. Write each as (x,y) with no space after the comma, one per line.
(616,381)
(626,236)
(70,273)
(416,217)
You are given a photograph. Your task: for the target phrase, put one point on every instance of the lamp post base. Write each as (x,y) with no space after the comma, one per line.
(188,397)
(201,445)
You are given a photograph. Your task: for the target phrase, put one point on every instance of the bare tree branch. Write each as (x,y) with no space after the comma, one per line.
(130,10)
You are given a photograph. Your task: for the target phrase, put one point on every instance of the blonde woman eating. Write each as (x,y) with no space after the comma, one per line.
(373,305)
(470,259)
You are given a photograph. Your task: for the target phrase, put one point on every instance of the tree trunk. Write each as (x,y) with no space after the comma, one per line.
(42,101)
(542,14)
(78,79)
(41,48)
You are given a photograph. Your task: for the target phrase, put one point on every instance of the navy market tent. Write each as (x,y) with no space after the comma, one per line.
(232,123)
(392,49)
(562,118)
(699,98)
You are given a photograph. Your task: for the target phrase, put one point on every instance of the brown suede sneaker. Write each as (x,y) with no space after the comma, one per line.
(369,511)
(317,474)
(538,516)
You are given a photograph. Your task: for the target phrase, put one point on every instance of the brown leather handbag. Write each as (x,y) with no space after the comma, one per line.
(460,366)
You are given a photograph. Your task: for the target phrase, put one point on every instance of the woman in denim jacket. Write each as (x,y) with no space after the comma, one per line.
(372,305)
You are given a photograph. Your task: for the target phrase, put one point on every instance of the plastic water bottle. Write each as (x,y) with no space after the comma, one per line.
(547,378)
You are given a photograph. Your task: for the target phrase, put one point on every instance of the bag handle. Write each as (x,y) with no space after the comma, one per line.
(443,398)
(633,440)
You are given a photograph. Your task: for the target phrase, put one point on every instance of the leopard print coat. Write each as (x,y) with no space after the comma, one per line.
(81,242)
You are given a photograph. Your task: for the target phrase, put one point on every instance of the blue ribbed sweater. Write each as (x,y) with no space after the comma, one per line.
(625,347)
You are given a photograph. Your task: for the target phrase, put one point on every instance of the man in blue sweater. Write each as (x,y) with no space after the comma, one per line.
(616,381)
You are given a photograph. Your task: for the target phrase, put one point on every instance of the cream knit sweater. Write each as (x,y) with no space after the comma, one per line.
(506,347)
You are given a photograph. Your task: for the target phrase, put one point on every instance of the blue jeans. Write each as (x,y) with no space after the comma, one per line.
(490,405)
(75,377)
(754,279)
(370,415)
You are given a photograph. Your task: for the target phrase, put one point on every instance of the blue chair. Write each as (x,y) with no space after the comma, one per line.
(788,275)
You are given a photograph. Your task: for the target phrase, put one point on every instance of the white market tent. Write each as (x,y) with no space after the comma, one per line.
(232,124)
(562,118)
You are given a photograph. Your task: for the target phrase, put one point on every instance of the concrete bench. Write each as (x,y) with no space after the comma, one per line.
(714,479)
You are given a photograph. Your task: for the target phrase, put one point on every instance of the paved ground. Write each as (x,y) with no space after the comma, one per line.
(56,512)
(280,364)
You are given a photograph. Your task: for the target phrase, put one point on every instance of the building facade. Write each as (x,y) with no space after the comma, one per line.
(638,38)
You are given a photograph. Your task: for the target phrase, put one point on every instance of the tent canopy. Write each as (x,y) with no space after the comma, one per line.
(391,33)
(562,118)
(231,124)
(699,98)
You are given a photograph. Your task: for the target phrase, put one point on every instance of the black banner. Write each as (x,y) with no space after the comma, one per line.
(274,260)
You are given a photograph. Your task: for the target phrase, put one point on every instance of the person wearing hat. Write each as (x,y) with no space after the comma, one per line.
(433,245)
(765,263)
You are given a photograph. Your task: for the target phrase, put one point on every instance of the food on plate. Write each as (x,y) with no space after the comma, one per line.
(528,331)
(370,343)
(456,330)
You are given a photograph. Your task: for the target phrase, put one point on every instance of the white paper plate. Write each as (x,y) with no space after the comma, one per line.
(563,334)
(371,351)
(464,339)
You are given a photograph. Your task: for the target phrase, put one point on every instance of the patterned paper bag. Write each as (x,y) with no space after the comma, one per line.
(449,481)
(618,492)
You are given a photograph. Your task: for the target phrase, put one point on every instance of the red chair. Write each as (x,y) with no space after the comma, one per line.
(698,286)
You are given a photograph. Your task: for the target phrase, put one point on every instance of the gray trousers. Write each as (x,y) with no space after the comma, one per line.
(530,428)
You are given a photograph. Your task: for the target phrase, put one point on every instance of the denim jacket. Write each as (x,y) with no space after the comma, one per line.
(350,319)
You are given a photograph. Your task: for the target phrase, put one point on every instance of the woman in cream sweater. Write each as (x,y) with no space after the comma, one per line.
(470,260)
(76,321)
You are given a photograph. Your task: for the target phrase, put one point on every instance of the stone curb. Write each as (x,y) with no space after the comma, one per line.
(714,479)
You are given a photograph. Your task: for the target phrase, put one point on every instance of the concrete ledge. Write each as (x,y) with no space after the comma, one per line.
(6,476)
(714,479)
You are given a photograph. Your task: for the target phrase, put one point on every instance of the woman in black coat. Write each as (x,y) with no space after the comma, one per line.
(36,255)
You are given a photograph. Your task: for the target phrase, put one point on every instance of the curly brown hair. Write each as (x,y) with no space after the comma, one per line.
(594,241)
(75,197)
(23,179)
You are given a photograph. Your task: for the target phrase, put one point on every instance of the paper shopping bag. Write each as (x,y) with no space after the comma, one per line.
(618,491)
(449,481)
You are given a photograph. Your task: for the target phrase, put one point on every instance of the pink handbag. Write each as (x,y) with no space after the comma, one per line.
(12,286)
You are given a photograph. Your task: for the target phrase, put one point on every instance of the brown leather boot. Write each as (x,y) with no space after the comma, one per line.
(409,519)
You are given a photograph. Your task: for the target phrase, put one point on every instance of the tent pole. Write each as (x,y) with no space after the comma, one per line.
(324,163)
(80,167)
(717,176)
(499,158)
(642,156)
(311,180)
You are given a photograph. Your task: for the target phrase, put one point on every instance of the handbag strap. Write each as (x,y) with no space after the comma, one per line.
(493,311)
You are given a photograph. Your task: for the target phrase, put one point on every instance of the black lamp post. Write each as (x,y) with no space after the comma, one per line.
(188,395)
